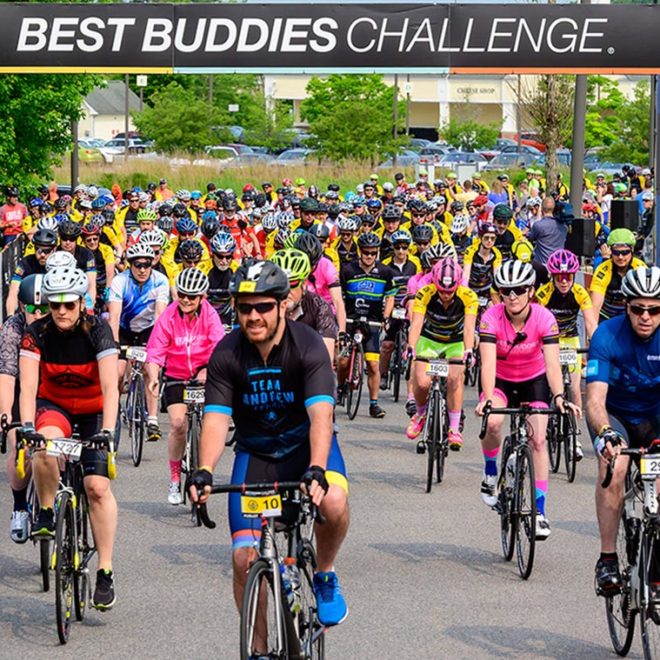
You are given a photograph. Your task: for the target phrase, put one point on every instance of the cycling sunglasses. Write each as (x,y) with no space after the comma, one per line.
(260,308)
(564,277)
(188,296)
(621,253)
(222,257)
(488,237)
(141,265)
(369,253)
(638,310)
(70,239)
(33,309)
(403,246)
(45,250)
(67,305)
(516,290)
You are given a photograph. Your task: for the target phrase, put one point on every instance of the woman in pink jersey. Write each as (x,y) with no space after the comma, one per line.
(519,364)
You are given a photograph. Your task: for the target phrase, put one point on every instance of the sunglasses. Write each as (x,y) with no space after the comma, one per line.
(188,296)
(369,253)
(223,257)
(564,277)
(191,261)
(42,250)
(260,308)
(141,265)
(418,215)
(156,252)
(33,309)
(423,244)
(488,237)
(67,305)
(68,239)
(91,239)
(638,310)
(346,234)
(401,247)
(621,253)
(516,290)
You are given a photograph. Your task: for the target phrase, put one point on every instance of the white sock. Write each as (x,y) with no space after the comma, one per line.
(152,420)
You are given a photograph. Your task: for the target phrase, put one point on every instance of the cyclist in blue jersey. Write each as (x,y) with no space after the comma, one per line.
(137,297)
(623,403)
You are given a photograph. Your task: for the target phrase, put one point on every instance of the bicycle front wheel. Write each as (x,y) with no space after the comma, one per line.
(310,630)
(618,609)
(266,625)
(397,368)
(135,415)
(554,443)
(355,380)
(431,439)
(649,611)
(44,562)
(525,506)
(441,434)
(81,584)
(508,527)
(569,434)
(64,567)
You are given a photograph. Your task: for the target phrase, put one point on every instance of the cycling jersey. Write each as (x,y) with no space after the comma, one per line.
(183,344)
(268,401)
(364,292)
(565,308)
(68,362)
(401,273)
(482,271)
(323,278)
(346,255)
(519,354)
(27,266)
(461,244)
(445,324)
(102,256)
(504,241)
(607,281)
(218,293)
(416,282)
(317,314)
(138,300)
(630,366)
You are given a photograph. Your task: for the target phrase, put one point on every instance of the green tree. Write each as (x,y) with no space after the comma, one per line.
(350,116)
(470,135)
(604,100)
(178,119)
(36,112)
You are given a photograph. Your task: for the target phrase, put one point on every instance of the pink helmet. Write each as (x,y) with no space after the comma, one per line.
(562,261)
(447,275)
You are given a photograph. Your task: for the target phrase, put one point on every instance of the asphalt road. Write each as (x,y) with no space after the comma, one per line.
(423,574)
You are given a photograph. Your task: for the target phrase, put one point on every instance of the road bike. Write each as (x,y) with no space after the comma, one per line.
(563,428)
(516,500)
(637,544)
(473,369)
(135,410)
(354,350)
(434,440)
(293,630)
(399,360)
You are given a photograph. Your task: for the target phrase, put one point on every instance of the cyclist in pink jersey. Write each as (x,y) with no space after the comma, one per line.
(519,364)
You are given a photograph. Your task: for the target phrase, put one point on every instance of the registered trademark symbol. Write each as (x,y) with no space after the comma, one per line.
(610,50)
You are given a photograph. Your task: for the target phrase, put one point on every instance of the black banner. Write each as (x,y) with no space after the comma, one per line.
(329,37)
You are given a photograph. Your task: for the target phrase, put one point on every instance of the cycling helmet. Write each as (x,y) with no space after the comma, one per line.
(310,245)
(269,222)
(190,250)
(522,250)
(47,223)
(443,250)
(400,236)
(229,204)
(460,223)
(165,209)
(139,251)
(210,225)
(192,281)
(374,204)
(367,219)
(11,191)
(153,237)
(35,202)
(417,205)
(295,263)
(290,241)
(183,195)
(321,231)
(621,236)
(146,215)
(352,223)
(430,257)
(92,228)
(391,212)
(502,212)
(447,275)
(186,226)
(432,205)
(422,233)
(514,273)
(61,203)
(60,259)
(29,290)
(284,219)
(64,285)
(368,240)
(180,210)
(223,243)
(99,203)
(282,236)
(70,229)
(47,208)
(642,282)
(456,206)
(487,228)
(261,278)
(45,238)
(165,224)
(562,261)
(92,192)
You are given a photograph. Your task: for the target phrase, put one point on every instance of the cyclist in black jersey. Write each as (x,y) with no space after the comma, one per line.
(346,244)
(481,260)
(223,247)
(274,379)
(502,216)
(460,236)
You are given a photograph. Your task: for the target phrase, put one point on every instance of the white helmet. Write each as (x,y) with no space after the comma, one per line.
(642,282)
(348,224)
(153,237)
(192,281)
(140,250)
(269,222)
(48,223)
(514,273)
(60,259)
(460,223)
(64,285)
(92,192)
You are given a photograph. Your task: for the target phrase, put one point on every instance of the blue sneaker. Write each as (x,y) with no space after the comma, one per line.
(331,604)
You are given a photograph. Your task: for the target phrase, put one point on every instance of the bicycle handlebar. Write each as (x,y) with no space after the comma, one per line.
(185,383)
(626,451)
(5,426)
(522,410)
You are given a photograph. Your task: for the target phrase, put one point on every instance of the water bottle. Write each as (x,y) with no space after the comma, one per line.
(511,470)
(291,581)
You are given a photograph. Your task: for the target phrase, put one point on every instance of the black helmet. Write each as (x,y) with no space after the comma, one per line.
(260,278)
(369,240)
(70,229)
(391,212)
(320,230)
(333,211)
(422,233)
(151,187)
(502,212)
(417,205)
(190,250)
(45,237)
(367,219)
(11,191)
(229,204)
(309,204)
(165,209)
(457,206)
(260,200)
(210,225)
(311,246)
(179,210)
(29,290)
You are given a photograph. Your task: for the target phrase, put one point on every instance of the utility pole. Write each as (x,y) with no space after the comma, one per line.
(408,104)
(656,170)
(519,113)
(126,91)
(74,154)
(210,91)
(395,112)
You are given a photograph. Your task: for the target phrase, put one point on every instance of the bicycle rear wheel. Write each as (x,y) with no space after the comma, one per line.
(355,380)
(44,562)
(135,413)
(525,506)
(310,630)
(431,439)
(649,612)
(396,366)
(266,629)
(64,557)
(620,616)
(508,526)
(569,435)
(82,589)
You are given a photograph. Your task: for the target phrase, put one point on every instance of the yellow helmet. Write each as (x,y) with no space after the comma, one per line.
(522,250)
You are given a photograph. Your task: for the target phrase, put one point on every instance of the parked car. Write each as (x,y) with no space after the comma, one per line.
(510,160)
(563,156)
(433,153)
(117,145)
(294,157)
(405,158)
(249,155)
(524,148)
(592,159)
(91,143)
(417,144)
(454,158)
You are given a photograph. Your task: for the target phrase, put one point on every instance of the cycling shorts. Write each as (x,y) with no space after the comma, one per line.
(427,349)
(130,338)
(250,468)
(370,341)
(394,326)
(574,343)
(636,435)
(536,392)
(94,461)
(172,394)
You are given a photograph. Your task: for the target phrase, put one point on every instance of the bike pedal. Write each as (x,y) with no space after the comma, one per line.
(421,447)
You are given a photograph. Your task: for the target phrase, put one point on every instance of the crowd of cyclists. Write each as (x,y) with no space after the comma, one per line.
(257,292)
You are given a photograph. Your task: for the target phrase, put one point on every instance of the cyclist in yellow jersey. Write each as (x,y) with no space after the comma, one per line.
(481,260)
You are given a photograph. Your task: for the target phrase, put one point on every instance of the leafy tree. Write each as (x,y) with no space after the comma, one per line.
(178,119)
(604,99)
(470,135)
(350,116)
(36,112)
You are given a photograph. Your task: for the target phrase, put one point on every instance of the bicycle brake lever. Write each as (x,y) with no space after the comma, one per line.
(610,472)
(203,517)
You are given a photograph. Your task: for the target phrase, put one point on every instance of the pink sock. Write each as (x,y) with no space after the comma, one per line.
(421,410)
(454,420)
(491,453)
(175,471)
